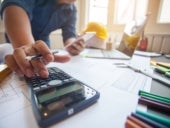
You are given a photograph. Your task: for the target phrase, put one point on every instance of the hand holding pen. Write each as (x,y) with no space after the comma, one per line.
(35,57)
(18,61)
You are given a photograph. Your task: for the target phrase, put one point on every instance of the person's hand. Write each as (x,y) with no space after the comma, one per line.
(76,47)
(20,65)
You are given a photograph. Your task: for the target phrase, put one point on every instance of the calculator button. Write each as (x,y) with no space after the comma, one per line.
(72,79)
(54,82)
(44,86)
(34,84)
(66,80)
(36,88)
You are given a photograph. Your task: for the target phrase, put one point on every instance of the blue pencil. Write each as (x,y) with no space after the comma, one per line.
(148,121)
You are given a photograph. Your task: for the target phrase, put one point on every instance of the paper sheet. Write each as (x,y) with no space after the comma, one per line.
(93,72)
(110,111)
(133,81)
(15,106)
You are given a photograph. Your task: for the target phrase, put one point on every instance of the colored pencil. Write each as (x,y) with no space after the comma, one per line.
(131,124)
(149,121)
(157,118)
(154,96)
(154,104)
(139,122)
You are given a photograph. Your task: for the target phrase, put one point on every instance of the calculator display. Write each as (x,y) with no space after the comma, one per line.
(56,93)
(57,99)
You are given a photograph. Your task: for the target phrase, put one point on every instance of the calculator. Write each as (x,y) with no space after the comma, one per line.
(59,96)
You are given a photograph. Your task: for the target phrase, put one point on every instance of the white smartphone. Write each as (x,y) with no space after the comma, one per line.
(85,37)
(88,35)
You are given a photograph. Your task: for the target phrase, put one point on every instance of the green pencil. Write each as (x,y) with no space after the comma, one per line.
(153,96)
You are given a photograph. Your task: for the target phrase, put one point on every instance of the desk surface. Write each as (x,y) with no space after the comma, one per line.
(118,88)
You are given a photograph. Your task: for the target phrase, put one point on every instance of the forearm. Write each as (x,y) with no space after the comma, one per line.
(18,29)
(17,26)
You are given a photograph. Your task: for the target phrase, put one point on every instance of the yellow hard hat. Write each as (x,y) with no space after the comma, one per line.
(99,28)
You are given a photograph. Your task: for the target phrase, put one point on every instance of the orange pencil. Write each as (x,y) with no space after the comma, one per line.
(139,122)
(131,124)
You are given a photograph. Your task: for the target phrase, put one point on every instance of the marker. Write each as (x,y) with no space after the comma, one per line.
(37,56)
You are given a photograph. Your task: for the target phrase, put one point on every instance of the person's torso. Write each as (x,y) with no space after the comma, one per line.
(47,16)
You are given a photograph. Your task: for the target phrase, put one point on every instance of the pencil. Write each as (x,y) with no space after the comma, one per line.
(159,101)
(37,56)
(153,96)
(131,124)
(159,119)
(148,121)
(139,122)
(154,104)
(164,64)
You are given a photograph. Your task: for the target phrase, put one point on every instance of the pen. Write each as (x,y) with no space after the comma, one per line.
(159,119)
(153,96)
(154,104)
(37,56)
(148,121)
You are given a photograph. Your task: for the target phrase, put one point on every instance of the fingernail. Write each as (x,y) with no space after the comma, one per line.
(43,73)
